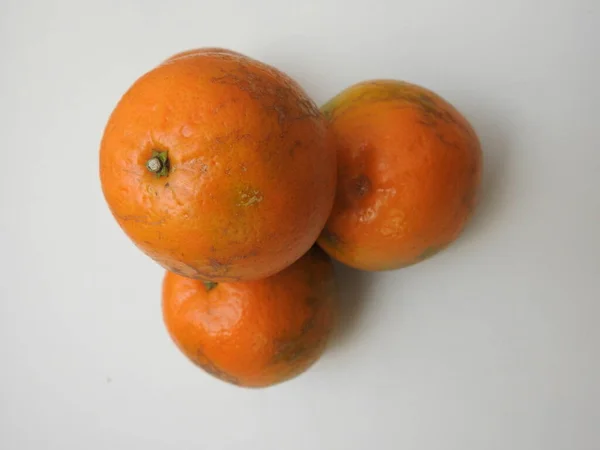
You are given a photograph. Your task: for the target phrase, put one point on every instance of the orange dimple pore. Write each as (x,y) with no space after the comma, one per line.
(254,333)
(422,162)
(252,177)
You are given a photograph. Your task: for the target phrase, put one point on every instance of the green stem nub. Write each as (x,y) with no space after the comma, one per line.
(209,285)
(158,164)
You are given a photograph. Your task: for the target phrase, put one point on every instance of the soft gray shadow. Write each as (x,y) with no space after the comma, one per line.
(312,70)
(496,147)
(353,288)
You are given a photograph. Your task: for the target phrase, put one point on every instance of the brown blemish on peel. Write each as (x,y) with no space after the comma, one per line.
(429,252)
(292,349)
(218,266)
(250,254)
(332,238)
(212,369)
(361,185)
(308,325)
(183,269)
(209,285)
(294,146)
(406,94)
(289,350)
(280,102)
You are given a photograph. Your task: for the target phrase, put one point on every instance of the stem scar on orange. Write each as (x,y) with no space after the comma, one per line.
(409,169)
(254,333)
(218,166)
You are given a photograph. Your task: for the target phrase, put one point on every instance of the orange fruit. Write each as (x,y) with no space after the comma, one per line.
(218,166)
(409,169)
(254,333)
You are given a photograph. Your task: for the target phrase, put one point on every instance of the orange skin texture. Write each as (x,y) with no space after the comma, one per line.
(409,170)
(254,333)
(252,171)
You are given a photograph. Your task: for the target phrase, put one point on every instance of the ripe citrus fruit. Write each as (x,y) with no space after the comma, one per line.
(218,166)
(254,333)
(409,168)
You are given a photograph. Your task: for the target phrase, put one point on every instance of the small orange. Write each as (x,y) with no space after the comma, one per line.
(254,333)
(409,169)
(218,166)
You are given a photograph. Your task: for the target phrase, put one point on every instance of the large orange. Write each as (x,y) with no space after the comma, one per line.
(218,167)
(254,333)
(409,168)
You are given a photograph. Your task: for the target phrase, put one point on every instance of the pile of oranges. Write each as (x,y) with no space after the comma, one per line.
(225,172)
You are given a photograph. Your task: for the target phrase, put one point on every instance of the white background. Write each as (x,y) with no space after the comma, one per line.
(493,344)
